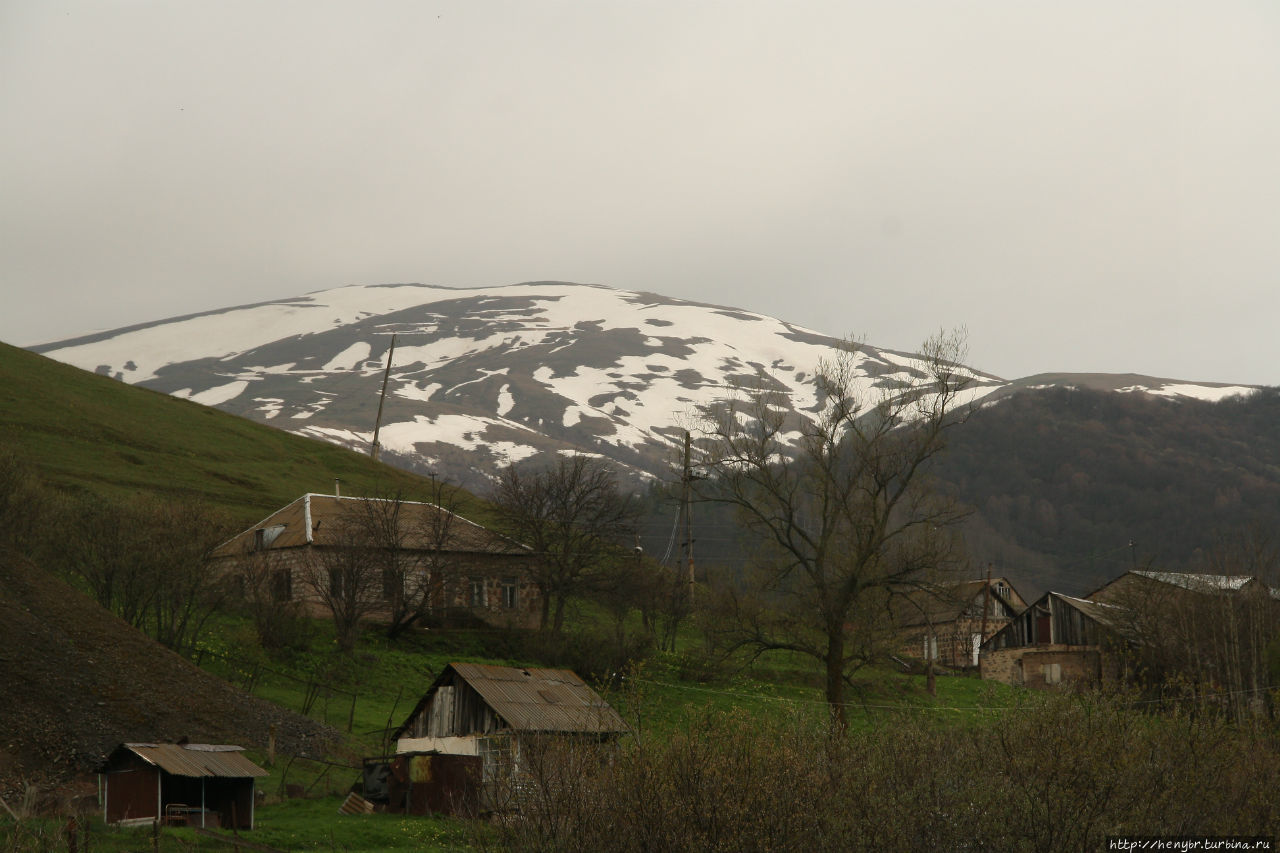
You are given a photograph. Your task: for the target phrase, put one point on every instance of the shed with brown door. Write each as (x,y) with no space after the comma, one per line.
(189,784)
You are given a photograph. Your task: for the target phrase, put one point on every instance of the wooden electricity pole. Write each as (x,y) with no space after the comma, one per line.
(688,518)
(377,425)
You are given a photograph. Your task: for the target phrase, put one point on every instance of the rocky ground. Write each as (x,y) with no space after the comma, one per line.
(75,682)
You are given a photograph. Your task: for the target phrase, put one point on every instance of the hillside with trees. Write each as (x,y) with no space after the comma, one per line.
(1062,481)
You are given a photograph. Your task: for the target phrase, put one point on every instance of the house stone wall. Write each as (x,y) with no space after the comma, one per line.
(452,599)
(953,641)
(1046,666)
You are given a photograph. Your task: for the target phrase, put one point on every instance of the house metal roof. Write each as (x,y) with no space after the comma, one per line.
(939,603)
(197,759)
(315,519)
(535,700)
(1200,583)
(1107,615)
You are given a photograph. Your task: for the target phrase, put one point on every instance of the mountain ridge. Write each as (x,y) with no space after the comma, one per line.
(483,377)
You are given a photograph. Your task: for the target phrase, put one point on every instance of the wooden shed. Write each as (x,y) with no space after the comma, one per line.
(462,748)
(190,784)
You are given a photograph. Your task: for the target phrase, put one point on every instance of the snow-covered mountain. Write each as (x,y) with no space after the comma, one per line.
(486,376)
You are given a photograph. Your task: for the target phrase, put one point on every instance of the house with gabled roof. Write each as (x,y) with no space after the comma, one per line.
(463,747)
(469,572)
(947,623)
(1147,583)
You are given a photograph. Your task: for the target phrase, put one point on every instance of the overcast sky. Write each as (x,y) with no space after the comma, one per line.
(1087,186)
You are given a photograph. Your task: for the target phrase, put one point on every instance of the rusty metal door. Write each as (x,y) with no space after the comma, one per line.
(132,794)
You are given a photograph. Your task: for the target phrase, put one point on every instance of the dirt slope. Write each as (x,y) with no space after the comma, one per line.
(75,682)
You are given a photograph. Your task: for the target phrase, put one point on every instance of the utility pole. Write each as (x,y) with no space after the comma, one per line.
(986,608)
(986,602)
(377,425)
(688,518)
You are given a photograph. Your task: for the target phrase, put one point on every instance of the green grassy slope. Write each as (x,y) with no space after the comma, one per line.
(87,432)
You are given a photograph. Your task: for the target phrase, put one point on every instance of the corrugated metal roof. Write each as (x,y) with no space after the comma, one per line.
(1199,583)
(1107,615)
(320,520)
(541,700)
(197,759)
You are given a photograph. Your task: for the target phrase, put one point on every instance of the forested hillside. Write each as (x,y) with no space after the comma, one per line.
(1063,480)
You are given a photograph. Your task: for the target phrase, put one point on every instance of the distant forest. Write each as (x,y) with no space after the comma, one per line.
(1061,481)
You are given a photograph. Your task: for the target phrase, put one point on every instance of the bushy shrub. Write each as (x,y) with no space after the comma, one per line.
(1053,772)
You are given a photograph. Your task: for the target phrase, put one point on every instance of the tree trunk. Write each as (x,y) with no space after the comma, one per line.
(545,621)
(835,677)
(559,617)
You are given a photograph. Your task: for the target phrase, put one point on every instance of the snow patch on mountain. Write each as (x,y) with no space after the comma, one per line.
(1212,393)
(217,395)
(350,358)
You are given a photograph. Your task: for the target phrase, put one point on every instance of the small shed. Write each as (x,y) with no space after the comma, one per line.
(180,784)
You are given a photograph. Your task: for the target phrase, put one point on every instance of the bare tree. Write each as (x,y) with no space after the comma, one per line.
(107,549)
(266,594)
(146,560)
(23,503)
(345,573)
(416,557)
(574,518)
(841,500)
(185,592)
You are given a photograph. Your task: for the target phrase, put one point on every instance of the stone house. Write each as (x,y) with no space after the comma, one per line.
(462,571)
(948,623)
(1057,640)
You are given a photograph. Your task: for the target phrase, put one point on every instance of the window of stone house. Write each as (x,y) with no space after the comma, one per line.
(392,584)
(264,536)
(281,585)
(510,593)
(477,592)
(1052,672)
(930,648)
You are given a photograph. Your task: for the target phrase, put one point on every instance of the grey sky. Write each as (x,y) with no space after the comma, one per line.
(1085,185)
